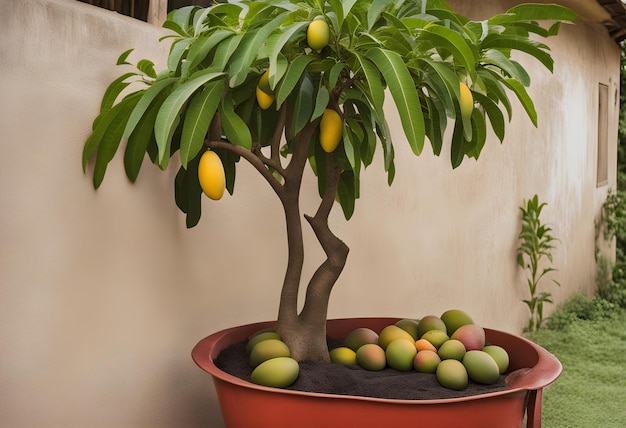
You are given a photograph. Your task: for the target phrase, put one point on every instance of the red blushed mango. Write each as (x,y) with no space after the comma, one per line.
(359,337)
(471,335)
(426,361)
(371,357)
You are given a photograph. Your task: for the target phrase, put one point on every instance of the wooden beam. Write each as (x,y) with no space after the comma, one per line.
(157,12)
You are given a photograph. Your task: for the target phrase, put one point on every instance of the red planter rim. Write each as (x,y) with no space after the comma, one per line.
(532,367)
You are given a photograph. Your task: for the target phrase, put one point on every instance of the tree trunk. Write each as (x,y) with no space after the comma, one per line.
(305,333)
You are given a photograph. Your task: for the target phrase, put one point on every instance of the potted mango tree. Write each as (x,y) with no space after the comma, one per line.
(288,85)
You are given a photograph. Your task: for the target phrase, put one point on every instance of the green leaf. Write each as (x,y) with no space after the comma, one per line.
(177,51)
(147,67)
(121,60)
(229,160)
(229,12)
(335,72)
(235,129)
(351,144)
(249,48)
(201,47)
(170,110)
(200,112)
(375,10)
(495,91)
(180,20)
(287,33)
(101,126)
(373,82)
(479,134)
(443,81)
(510,41)
(384,135)
(436,126)
(180,187)
(402,88)
(534,12)
(225,50)
(146,100)
(279,71)
(457,149)
(112,137)
(494,113)
(114,90)
(454,43)
(140,138)
(510,67)
(345,193)
(523,97)
(303,106)
(321,102)
(188,193)
(292,77)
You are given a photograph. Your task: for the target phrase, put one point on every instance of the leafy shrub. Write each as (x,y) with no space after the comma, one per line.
(581,307)
(615,290)
(612,224)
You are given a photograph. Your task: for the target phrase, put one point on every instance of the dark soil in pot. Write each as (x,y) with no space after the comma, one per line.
(355,381)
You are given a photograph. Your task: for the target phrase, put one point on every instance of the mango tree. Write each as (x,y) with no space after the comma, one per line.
(293,84)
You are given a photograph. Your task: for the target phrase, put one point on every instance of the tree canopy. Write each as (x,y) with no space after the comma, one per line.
(418,52)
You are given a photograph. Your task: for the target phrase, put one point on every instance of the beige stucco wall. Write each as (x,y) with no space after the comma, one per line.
(104,293)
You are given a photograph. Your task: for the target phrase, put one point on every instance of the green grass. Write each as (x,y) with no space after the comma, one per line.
(591,391)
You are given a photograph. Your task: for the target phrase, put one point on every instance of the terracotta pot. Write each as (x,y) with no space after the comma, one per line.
(246,405)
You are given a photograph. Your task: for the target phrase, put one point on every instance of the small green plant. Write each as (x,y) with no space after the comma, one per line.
(537,245)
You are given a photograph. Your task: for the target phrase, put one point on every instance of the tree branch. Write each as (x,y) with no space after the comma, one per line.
(337,90)
(252,158)
(278,134)
(325,277)
(275,164)
(319,222)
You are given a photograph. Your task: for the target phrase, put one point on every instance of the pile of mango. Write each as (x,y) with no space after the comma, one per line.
(450,346)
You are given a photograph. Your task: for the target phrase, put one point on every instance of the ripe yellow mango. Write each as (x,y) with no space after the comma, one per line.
(466,100)
(331,130)
(264,99)
(318,34)
(211,175)
(277,372)
(264,83)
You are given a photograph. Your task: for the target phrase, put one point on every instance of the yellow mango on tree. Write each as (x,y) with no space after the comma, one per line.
(264,99)
(466,100)
(318,34)
(211,175)
(331,130)
(264,83)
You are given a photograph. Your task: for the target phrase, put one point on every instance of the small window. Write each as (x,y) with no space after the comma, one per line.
(133,8)
(603,135)
(140,9)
